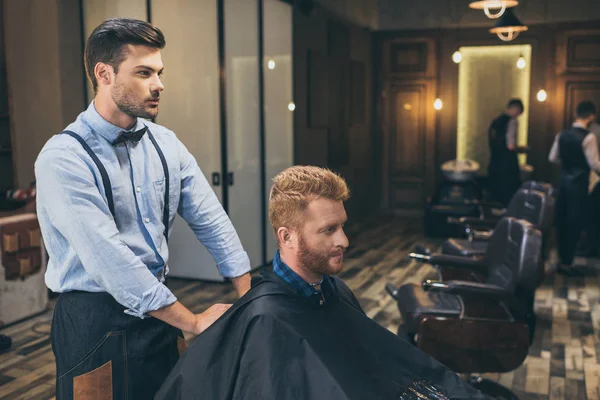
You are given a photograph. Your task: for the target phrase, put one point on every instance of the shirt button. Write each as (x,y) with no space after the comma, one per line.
(321,302)
(138,189)
(147,220)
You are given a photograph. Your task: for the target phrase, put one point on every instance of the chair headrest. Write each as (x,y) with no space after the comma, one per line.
(514,254)
(533,206)
(543,187)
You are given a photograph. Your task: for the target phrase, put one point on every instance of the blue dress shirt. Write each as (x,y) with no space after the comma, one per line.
(126,256)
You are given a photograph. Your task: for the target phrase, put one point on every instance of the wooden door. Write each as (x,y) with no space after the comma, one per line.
(408,123)
(577,73)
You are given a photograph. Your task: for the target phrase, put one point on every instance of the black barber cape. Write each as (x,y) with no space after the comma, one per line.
(274,344)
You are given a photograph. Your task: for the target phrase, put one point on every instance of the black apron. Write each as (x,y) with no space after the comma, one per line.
(101,352)
(571,204)
(504,174)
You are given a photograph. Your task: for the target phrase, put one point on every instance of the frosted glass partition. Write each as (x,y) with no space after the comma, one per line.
(278,96)
(97,11)
(190,108)
(243,124)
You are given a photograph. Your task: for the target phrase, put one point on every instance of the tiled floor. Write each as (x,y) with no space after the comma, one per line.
(563,362)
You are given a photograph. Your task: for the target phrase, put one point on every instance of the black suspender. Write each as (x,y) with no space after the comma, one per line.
(106,179)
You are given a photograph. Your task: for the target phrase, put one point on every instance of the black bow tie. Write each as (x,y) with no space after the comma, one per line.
(130,136)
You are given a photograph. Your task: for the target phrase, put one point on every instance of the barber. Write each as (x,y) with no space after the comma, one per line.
(576,150)
(108,190)
(504,173)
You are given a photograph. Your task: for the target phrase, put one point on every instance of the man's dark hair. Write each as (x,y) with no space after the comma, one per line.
(516,103)
(107,41)
(585,109)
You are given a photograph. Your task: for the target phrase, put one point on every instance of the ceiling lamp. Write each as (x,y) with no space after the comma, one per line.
(487,5)
(508,27)
(521,63)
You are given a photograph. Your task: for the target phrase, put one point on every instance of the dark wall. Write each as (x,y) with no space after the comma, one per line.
(414,67)
(332,91)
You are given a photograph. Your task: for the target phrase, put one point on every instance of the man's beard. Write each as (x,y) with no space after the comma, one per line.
(128,104)
(316,262)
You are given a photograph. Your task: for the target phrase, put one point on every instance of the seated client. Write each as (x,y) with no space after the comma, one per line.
(300,333)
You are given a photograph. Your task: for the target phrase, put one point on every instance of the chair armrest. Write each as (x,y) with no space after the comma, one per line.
(468,288)
(451,261)
(482,236)
(476,223)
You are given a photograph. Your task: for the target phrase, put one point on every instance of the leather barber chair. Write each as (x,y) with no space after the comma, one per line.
(458,195)
(478,327)
(530,205)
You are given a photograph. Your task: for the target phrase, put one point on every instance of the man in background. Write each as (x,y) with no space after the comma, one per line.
(576,150)
(592,242)
(504,174)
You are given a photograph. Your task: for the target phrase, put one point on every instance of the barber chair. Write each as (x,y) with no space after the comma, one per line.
(530,205)
(478,327)
(459,195)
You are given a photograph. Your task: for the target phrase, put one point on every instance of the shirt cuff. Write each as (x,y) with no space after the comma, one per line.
(154,299)
(235,265)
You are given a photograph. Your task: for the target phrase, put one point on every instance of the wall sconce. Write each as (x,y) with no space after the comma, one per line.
(542,95)
(457,57)
(521,63)
(271,64)
(291,106)
(437,104)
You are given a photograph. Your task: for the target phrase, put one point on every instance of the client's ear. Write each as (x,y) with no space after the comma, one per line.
(285,237)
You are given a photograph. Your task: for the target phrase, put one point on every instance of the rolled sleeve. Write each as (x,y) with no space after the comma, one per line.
(154,299)
(201,209)
(590,149)
(511,133)
(75,207)
(554,156)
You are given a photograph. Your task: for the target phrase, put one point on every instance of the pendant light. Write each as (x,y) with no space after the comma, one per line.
(508,26)
(521,63)
(487,5)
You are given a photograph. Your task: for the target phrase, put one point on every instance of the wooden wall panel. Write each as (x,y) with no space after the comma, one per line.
(565,63)
(578,51)
(408,90)
(332,90)
(317,80)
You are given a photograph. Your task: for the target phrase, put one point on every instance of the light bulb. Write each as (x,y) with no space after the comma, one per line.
(271,64)
(291,106)
(542,95)
(457,57)
(521,63)
(437,104)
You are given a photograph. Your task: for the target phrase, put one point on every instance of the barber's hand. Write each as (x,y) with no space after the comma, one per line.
(208,317)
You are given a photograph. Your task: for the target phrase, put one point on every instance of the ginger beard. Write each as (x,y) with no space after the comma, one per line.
(329,262)
(130,104)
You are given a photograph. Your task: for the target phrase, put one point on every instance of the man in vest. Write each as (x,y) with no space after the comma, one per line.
(504,174)
(591,247)
(576,149)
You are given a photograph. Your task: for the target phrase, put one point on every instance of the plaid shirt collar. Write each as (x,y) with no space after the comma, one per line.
(295,281)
